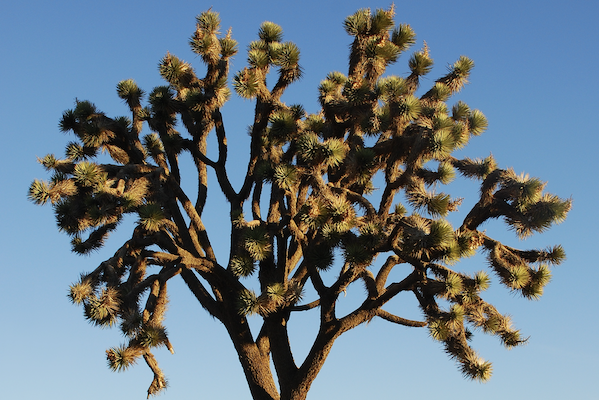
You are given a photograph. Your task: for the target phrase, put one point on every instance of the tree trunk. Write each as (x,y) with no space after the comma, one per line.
(305,375)
(256,367)
(255,363)
(295,381)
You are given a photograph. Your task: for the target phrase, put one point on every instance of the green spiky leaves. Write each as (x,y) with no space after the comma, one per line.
(39,192)
(257,243)
(333,217)
(208,22)
(247,303)
(408,108)
(476,368)
(77,152)
(88,174)
(81,291)
(438,330)
(453,285)
(440,234)
(86,196)
(321,257)
(228,46)
(242,265)
(421,63)
(285,176)
(529,209)
(403,37)
(364,22)
(205,42)
(476,168)
(540,215)
(145,337)
(175,71)
(102,309)
(122,357)
(436,204)
(150,336)
(72,120)
(517,274)
(330,153)
(392,88)
(283,126)
(151,217)
(270,32)
(130,92)
(268,52)
(458,74)
(449,328)
(286,56)
(153,145)
(356,254)
(358,23)
(275,296)
(247,83)
(477,122)
(444,174)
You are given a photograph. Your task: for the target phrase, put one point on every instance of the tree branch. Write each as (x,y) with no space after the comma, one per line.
(219,166)
(201,294)
(398,320)
(195,218)
(305,307)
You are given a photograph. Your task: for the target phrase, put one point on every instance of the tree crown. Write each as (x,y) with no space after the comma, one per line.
(307,203)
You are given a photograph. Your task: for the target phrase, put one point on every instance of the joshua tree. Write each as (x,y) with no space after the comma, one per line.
(307,205)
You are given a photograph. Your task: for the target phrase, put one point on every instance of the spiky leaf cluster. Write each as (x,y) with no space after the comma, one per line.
(265,53)
(274,297)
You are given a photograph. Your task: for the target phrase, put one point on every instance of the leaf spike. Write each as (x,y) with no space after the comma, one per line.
(270,32)
(208,22)
(421,63)
(403,37)
(130,92)
(382,21)
(358,23)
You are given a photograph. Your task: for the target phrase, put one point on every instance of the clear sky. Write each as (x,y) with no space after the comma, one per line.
(536,80)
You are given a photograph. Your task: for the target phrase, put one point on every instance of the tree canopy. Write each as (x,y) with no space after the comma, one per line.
(308,208)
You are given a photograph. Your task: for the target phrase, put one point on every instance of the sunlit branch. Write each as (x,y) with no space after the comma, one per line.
(305,307)
(398,320)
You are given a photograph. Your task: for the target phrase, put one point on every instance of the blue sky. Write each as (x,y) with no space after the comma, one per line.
(535,79)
